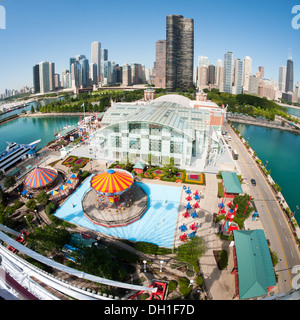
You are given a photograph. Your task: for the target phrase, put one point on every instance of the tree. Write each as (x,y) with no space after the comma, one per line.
(9,182)
(31,204)
(191,251)
(49,239)
(42,198)
(32,109)
(50,208)
(242,202)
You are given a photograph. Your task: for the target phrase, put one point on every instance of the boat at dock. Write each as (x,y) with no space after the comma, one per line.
(14,153)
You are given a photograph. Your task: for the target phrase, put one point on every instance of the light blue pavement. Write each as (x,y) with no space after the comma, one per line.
(156,226)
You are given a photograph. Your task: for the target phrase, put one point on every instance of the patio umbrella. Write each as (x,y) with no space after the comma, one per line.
(196,197)
(192,235)
(183,237)
(24,192)
(183,228)
(196,205)
(194,215)
(188,198)
(188,206)
(186,214)
(188,190)
(194,226)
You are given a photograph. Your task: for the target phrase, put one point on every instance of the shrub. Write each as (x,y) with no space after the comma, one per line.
(185,291)
(199,281)
(9,181)
(223,259)
(9,210)
(184,286)
(31,204)
(183,282)
(196,267)
(50,208)
(42,198)
(172,285)
(18,204)
(146,247)
(190,273)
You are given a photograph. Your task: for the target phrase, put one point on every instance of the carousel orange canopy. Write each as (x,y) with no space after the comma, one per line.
(112,182)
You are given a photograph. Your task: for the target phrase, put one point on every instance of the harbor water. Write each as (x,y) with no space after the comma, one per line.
(280,151)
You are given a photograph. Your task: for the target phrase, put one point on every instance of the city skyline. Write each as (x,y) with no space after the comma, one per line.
(37,36)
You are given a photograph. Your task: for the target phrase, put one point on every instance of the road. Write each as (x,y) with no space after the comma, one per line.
(272,217)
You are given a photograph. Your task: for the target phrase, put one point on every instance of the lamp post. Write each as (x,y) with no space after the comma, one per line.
(161,264)
(191,282)
(145,262)
(266,163)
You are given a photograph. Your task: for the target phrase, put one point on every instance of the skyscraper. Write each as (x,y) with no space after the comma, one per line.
(180,52)
(247,72)
(228,71)
(238,76)
(44,77)
(80,71)
(261,71)
(289,84)
(282,78)
(36,78)
(211,74)
(219,74)
(126,76)
(160,64)
(52,76)
(96,59)
(104,57)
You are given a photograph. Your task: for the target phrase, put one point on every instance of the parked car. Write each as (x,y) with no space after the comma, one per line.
(253,182)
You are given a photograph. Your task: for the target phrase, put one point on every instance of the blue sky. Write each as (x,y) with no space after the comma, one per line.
(56,30)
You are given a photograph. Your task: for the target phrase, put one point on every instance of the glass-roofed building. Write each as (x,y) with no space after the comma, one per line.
(170,126)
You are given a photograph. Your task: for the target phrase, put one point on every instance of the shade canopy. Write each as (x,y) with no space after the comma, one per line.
(40,177)
(112,182)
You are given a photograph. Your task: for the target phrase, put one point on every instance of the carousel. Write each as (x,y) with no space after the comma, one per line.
(112,183)
(40,179)
(114,200)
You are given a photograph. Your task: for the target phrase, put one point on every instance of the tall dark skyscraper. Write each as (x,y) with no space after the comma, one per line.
(180,52)
(36,78)
(289,84)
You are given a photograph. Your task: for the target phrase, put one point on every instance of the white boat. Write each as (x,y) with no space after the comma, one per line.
(15,152)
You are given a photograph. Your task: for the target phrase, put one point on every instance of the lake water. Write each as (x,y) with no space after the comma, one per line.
(282,151)
(27,130)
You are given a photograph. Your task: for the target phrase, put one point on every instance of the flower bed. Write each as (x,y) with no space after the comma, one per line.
(158,173)
(70,160)
(197,178)
(147,175)
(81,162)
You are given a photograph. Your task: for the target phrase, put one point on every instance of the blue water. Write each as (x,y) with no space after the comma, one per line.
(294,111)
(156,226)
(27,130)
(282,151)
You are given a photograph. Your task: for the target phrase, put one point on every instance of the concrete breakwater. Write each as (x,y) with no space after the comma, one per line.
(277,124)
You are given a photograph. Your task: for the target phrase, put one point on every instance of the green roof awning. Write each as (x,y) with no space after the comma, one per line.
(231,182)
(255,268)
(139,165)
